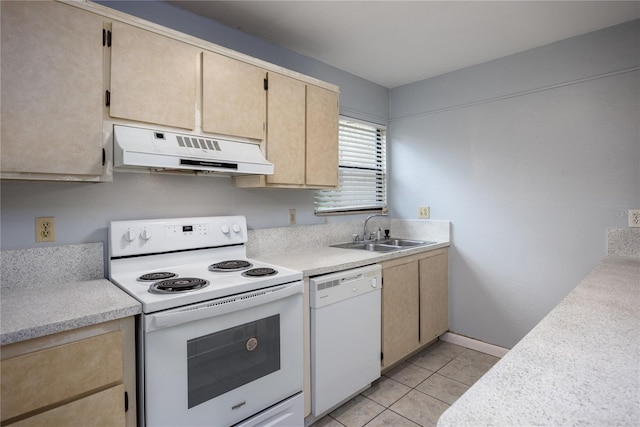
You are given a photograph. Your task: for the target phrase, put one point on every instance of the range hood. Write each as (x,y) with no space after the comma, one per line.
(159,150)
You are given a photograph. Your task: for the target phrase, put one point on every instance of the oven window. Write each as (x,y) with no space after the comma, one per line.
(225,360)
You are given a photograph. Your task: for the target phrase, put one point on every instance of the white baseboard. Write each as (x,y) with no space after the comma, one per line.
(474,344)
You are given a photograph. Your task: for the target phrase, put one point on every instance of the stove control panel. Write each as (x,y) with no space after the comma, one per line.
(202,229)
(138,237)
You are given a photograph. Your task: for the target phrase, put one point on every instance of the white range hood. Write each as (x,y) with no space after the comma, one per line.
(160,150)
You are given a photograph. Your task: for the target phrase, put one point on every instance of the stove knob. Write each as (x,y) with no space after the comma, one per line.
(146,234)
(224,229)
(235,227)
(374,283)
(129,235)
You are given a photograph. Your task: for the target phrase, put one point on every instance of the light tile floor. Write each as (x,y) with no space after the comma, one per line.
(416,392)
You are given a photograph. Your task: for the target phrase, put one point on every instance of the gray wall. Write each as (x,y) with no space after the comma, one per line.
(82,211)
(531,157)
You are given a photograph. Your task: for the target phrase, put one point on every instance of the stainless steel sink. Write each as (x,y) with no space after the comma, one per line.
(387,245)
(367,246)
(405,242)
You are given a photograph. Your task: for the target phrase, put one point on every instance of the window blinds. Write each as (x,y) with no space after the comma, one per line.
(362,170)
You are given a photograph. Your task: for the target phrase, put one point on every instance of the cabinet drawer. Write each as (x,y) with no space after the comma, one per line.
(46,377)
(105,408)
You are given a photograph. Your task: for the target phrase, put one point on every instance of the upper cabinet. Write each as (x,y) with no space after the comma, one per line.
(286,132)
(153,78)
(233,97)
(69,71)
(302,136)
(52,92)
(322,137)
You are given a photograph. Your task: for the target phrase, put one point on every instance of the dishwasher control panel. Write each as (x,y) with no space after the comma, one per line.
(335,287)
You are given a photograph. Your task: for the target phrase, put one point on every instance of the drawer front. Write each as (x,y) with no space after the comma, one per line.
(105,408)
(46,377)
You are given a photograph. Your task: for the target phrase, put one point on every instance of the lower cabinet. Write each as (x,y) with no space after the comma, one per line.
(415,302)
(104,408)
(80,377)
(434,296)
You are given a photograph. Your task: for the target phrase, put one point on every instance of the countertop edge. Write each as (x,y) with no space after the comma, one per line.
(542,382)
(31,313)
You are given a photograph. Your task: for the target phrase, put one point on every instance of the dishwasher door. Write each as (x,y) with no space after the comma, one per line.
(345,335)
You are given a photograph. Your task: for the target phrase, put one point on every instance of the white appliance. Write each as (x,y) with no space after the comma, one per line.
(220,337)
(345,335)
(136,148)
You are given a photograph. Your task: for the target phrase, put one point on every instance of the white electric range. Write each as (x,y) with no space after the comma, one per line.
(220,337)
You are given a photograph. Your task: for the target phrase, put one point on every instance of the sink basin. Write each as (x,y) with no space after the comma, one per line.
(367,246)
(387,245)
(405,242)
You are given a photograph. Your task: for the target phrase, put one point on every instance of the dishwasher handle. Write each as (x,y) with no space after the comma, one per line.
(341,286)
(357,276)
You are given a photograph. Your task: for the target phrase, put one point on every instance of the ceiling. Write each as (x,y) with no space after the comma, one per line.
(393,43)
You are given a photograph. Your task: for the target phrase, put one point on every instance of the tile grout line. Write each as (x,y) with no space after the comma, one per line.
(414,388)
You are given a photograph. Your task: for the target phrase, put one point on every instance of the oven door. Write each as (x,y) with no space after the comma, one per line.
(219,362)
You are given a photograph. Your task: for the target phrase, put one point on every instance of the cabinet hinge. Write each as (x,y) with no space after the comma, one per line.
(104,157)
(266,84)
(106,38)
(126,401)
(107,98)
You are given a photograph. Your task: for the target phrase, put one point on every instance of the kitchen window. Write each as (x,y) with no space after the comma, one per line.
(362,171)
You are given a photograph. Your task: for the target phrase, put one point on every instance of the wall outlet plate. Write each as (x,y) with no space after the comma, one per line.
(292,216)
(634,217)
(45,229)
(424,212)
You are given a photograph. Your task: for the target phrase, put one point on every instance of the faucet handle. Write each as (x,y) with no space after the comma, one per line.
(356,237)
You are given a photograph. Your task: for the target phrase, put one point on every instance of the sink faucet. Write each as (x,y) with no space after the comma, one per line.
(364,229)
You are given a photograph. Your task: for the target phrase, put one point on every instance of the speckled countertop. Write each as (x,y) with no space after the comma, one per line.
(35,312)
(317,261)
(307,248)
(579,366)
(55,289)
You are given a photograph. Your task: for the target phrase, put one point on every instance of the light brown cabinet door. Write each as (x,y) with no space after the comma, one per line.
(286,110)
(434,296)
(400,311)
(153,78)
(46,377)
(105,408)
(234,101)
(52,90)
(322,137)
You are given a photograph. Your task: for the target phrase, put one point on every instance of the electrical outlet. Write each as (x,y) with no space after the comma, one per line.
(634,217)
(45,229)
(424,212)
(292,216)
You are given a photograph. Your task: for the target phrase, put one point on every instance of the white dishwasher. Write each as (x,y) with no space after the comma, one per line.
(345,335)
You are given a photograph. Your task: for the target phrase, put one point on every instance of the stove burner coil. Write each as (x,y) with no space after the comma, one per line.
(260,272)
(183,284)
(153,277)
(232,265)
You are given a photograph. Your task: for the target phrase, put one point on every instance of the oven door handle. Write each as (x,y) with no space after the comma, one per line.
(156,321)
